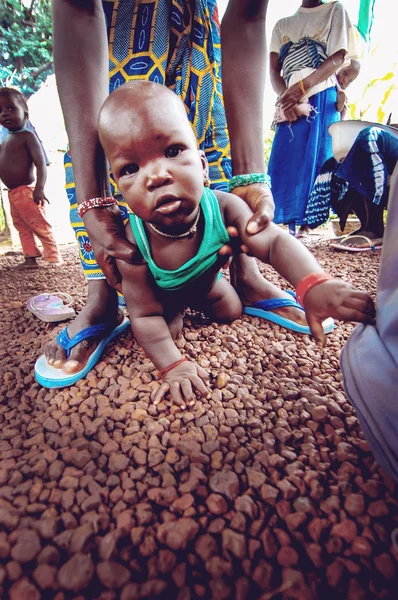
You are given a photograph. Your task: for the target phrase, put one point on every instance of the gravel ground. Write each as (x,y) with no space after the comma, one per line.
(267,490)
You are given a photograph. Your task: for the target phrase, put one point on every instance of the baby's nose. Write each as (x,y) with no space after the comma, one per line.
(158,178)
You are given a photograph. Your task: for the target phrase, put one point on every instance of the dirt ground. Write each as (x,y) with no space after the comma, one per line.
(268,490)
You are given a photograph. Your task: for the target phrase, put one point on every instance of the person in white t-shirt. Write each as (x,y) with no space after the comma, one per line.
(306,50)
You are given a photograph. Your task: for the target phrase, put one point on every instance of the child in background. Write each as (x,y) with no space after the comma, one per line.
(345,76)
(20,152)
(179,225)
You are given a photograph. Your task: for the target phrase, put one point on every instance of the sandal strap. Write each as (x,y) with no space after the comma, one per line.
(274,303)
(67,343)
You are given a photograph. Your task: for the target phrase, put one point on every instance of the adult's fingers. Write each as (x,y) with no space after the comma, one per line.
(110,271)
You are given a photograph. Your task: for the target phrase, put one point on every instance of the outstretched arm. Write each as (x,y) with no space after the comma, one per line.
(243,72)
(291,259)
(81,69)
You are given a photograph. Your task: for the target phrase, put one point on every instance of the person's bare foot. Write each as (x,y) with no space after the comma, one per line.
(101,307)
(252,287)
(29,263)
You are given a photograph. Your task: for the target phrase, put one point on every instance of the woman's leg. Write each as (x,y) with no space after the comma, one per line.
(102,300)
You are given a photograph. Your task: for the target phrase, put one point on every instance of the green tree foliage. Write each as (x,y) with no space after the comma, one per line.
(25,43)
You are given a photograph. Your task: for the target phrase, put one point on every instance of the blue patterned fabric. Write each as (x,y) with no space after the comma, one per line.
(363,172)
(175,43)
(298,152)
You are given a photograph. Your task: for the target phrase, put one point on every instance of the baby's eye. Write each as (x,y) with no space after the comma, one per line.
(129,169)
(173,151)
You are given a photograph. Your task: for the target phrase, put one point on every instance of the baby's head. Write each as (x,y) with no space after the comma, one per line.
(13,109)
(152,150)
(347,74)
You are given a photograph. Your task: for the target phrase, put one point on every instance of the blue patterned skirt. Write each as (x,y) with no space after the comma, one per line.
(298,152)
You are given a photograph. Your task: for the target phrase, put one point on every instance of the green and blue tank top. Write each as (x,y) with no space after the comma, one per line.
(215,235)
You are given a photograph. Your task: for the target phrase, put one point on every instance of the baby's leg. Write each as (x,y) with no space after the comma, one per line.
(222,303)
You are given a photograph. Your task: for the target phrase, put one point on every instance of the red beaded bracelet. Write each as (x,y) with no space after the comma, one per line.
(308,282)
(95,203)
(163,372)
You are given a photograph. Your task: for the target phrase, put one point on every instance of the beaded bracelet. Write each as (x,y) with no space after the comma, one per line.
(95,203)
(238,180)
(163,372)
(308,282)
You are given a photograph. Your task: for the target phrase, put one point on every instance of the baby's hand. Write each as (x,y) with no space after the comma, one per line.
(181,381)
(337,299)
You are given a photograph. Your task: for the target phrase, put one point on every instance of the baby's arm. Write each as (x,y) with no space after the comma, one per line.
(153,335)
(291,259)
(39,161)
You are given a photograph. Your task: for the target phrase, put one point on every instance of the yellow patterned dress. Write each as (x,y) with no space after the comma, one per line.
(175,43)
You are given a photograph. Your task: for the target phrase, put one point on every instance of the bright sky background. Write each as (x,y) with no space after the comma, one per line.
(384,56)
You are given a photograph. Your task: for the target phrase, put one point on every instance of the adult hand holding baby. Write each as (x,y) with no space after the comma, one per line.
(108,240)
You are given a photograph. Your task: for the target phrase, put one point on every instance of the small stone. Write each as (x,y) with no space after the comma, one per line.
(155,457)
(234,542)
(287,556)
(346,529)
(269,494)
(27,546)
(177,534)
(385,565)
(355,504)
(45,576)
(225,483)
(216,504)
(206,546)
(118,463)
(362,547)
(320,414)
(183,503)
(255,478)
(24,590)
(112,575)
(76,574)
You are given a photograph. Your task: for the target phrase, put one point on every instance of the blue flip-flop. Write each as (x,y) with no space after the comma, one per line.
(50,377)
(264,308)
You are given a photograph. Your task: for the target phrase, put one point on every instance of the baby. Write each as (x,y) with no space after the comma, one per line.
(20,153)
(345,76)
(179,225)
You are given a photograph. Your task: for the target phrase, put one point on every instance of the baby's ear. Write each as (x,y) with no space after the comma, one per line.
(205,164)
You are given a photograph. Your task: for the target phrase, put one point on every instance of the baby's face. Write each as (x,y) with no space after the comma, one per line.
(155,161)
(346,76)
(12,114)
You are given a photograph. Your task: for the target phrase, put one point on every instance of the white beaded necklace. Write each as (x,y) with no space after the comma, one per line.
(192,229)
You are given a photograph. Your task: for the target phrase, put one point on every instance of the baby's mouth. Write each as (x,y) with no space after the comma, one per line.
(168,206)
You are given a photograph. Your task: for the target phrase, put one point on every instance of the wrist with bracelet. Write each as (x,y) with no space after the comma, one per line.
(248,179)
(102,202)
(163,372)
(308,282)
